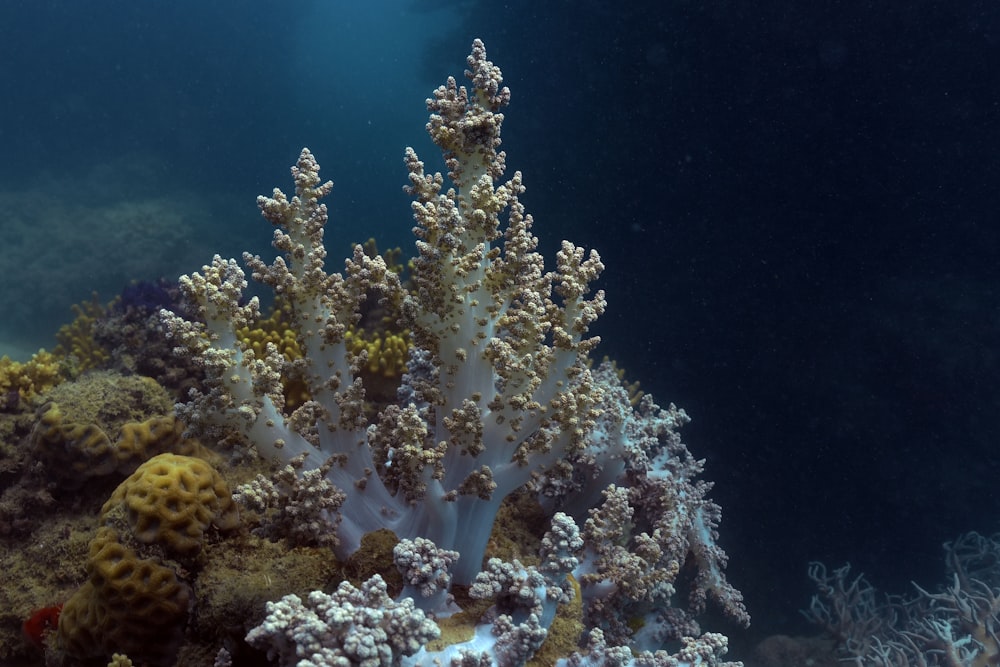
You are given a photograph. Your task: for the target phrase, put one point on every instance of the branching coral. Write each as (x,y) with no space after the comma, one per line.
(499,395)
(302,508)
(20,381)
(955,626)
(350,627)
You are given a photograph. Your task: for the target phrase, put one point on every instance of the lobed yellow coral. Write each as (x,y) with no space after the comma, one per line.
(386,350)
(30,378)
(128,603)
(77,451)
(276,328)
(171,501)
(133,601)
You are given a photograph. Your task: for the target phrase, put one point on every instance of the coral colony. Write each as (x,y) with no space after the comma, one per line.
(957,625)
(499,396)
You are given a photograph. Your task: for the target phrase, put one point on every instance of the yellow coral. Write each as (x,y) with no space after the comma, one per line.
(77,451)
(386,356)
(171,501)
(386,352)
(42,372)
(139,441)
(275,328)
(76,339)
(133,601)
(128,603)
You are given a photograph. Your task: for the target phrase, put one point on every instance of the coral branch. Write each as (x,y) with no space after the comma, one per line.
(499,395)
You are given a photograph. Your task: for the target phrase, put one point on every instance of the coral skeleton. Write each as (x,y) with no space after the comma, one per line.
(499,396)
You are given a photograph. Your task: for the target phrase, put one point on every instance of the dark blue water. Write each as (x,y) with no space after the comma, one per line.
(797,204)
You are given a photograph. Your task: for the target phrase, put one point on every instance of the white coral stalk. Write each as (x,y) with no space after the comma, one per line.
(499,394)
(509,393)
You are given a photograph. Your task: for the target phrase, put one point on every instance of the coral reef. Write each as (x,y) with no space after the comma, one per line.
(350,627)
(129,333)
(499,397)
(382,355)
(108,400)
(383,350)
(239,575)
(171,500)
(129,603)
(75,451)
(63,447)
(71,435)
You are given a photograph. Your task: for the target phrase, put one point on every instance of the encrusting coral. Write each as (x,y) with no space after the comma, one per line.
(77,451)
(105,422)
(498,397)
(85,436)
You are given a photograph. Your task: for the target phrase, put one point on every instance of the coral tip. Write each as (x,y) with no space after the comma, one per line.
(40,623)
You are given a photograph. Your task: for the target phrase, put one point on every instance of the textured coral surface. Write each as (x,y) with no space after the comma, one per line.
(171,501)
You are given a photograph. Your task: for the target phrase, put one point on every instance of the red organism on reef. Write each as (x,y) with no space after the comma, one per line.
(40,623)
